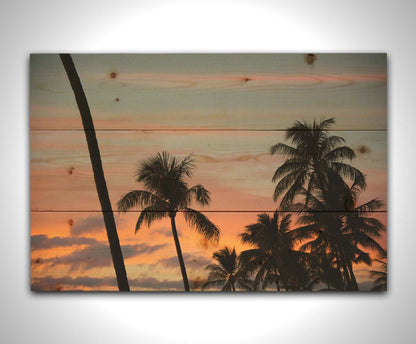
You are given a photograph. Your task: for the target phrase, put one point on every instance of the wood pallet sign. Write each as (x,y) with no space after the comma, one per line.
(208,172)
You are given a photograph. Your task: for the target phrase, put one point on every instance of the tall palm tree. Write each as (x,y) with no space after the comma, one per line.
(228,273)
(273,258)
(314,182)
(166,192)
(313,152)
(99,178)
(380,282)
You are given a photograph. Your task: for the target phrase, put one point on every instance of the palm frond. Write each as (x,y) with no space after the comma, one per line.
(140,198)
(149,215)
(331,142)
(285,150)
(245,284)
(350,172)
(370,207)
(186,166)
(200,194)
(216,271)
(293,190)
(227,286)
(202,224)
(288,167)
(305,232)
(340,153)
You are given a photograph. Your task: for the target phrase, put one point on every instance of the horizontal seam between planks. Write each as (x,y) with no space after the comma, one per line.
(202,211)
(199,130)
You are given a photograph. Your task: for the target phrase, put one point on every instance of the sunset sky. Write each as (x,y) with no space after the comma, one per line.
(227,110)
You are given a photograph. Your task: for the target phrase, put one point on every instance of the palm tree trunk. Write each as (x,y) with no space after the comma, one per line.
(352,282)
(353,279)
(179,252)
(100,183)
(339,269)
(277,280)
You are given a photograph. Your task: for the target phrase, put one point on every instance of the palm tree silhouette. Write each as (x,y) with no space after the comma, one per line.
(315,175)
(97,167)
(165,179)
(339,235)
(380,282)
(228,273)
(312,154)
(273,258)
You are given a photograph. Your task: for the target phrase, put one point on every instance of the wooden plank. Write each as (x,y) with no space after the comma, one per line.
(212,91)
(236,167)
(69,250)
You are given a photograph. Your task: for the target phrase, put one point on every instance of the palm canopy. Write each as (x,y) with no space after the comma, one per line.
(165,179)
(228,273)
(273,256)
(312,153)
(339,236)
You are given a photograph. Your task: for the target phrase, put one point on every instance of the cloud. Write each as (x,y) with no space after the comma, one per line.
(365,285)
(153,283)
(41,241)
(50,283)
(193,262)
(95,256)
(165,231)
(67,283)
(92,224)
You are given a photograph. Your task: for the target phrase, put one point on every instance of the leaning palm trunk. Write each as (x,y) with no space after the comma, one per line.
(179,252)
(100,183)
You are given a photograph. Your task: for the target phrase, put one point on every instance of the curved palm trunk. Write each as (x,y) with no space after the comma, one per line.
(100,183)
(179,252)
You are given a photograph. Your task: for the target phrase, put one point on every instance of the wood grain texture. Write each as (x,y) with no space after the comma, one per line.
(236,167)
(74,244)
(212,91)
(227,110)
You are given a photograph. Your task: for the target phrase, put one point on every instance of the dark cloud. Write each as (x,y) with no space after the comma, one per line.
(193,262)
(365,285)
(41,241)
(67,283)
(143,248)
(153,283)
(95,256)
(50,283)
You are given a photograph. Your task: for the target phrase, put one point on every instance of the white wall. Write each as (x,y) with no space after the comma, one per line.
(216,26)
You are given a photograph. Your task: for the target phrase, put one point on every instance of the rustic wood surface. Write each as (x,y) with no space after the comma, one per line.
(212,91)
(225,109)
(236,167)
(60,234)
